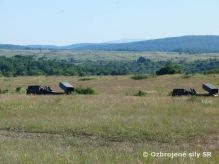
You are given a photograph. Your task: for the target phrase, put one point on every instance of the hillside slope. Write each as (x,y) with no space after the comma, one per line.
(185,43)
(196,44)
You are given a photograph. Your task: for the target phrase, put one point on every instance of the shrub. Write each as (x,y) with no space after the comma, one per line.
(86,79)
(141,60)
(140,93)
(139,77)
(85,91)
(169,69)
(18,89)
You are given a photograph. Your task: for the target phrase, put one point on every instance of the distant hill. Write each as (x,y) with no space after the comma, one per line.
(190,44)
(77,46)
(185,43)
(41,47)
(11,46)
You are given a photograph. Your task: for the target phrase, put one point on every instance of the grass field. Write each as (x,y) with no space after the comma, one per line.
(112,126)
(82,56)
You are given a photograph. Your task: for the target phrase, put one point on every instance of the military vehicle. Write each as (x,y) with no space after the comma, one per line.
(68,88)
(46,90)
(184,92)
(39,90)
(211,89)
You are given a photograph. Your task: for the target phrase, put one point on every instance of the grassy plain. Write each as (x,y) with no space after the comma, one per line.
(81,56)
(112,126)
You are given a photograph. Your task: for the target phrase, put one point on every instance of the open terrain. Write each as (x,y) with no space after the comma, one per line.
(111,126)
(83,56)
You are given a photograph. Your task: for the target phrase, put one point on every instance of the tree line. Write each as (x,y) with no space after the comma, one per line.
(29,65)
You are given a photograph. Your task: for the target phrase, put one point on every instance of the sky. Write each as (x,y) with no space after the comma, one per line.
(64,22)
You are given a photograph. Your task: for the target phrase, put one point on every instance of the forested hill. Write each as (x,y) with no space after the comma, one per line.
(11,46)
(190,44)
(174,44)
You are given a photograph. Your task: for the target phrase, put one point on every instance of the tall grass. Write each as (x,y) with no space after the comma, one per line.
(109,127)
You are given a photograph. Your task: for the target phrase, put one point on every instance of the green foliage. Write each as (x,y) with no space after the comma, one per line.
(202,66)
(143,60)
(139,77)
(140,93)
(29,65)
(169,68)
(85,91)
(213,71)
(18,89)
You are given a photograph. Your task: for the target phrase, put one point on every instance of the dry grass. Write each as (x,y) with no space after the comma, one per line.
(110,127)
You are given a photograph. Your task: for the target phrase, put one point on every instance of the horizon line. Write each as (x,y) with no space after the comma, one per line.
(106,42)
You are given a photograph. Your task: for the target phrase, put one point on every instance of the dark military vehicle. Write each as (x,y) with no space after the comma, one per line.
(211,89)
(68,88)
(39,90)
(46,90)
(183,92)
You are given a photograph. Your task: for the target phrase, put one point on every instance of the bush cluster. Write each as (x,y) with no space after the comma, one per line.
(85,91)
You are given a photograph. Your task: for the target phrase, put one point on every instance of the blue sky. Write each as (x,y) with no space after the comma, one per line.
(63,22)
